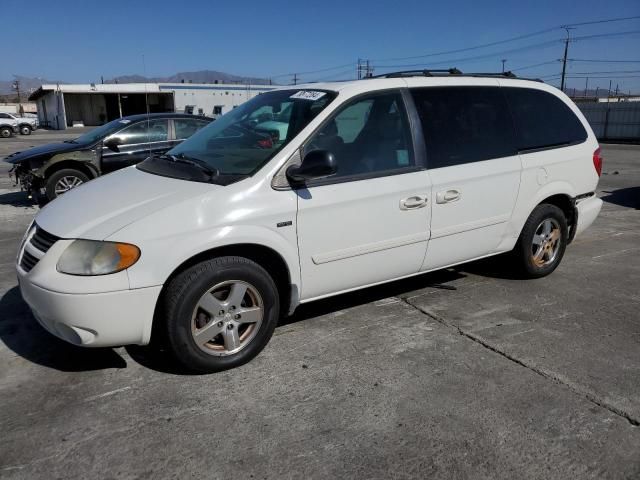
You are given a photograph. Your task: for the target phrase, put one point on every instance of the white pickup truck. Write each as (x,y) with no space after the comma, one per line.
(25,124)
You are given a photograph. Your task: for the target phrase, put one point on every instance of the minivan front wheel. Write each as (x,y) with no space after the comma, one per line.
(542,241)
(25,130)
(219,314)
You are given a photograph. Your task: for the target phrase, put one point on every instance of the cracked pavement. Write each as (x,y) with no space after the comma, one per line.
(499,378)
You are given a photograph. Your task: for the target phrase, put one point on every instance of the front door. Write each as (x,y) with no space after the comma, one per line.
(369,222)
(135,143)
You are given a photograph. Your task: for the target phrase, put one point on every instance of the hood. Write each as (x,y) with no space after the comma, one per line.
(105,205)
(47,150)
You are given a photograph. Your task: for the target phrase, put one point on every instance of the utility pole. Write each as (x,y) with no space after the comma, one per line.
(564,59)
(295,78)
(616,89)
(16,86)
(586,85)
(504,60)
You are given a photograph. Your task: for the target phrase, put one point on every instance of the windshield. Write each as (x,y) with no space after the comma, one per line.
(102,131)
(243,140)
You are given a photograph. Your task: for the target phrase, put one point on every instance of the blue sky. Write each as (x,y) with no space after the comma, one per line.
(78,41)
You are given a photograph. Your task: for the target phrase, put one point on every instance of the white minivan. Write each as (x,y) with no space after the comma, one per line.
(306,192)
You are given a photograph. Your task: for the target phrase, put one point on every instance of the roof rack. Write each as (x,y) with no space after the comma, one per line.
(450,71)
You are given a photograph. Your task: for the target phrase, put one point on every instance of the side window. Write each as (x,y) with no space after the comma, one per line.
(187,127)
(4,115)
(367,136)
(542,119)
(143,132)
(464,124)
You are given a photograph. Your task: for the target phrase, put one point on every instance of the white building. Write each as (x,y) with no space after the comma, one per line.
(61,106)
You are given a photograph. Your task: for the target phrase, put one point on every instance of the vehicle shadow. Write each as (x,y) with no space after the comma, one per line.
(22,334)
(439,279)
(156,357)
(625,197)
(18,199)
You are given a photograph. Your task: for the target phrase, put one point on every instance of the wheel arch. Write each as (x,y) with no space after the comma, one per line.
(268,258)
(81,166)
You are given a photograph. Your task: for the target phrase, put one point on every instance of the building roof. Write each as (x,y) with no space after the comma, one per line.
(140,88)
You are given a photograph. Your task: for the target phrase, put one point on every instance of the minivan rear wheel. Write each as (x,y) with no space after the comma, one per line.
(542,241)
(220,313)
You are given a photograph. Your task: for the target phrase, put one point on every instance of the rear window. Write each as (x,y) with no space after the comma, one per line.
(464,124)
(543,120)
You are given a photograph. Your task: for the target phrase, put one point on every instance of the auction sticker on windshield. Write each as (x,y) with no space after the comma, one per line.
(308,95)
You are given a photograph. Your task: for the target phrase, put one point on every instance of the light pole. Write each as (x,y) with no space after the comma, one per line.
(504,60)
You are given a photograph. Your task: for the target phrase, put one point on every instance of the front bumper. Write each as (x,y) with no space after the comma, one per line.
(93,311)
(94,320)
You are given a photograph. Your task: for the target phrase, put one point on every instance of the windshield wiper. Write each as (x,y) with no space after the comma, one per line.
(182,158)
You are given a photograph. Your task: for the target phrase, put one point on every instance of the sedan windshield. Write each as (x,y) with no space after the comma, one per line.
(240,142)
(102,131)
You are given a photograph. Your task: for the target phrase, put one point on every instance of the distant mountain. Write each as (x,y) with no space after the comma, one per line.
(27,85)
(201,76)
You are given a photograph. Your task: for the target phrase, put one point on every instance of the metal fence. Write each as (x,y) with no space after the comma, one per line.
(613,121)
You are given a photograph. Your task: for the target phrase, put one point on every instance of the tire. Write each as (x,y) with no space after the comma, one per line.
(542,242)
(67,177)
(25,130)
(189,307)
(5,132)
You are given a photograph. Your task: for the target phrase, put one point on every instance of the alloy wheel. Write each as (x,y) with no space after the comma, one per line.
(67,183)
(546,242)
(227,318)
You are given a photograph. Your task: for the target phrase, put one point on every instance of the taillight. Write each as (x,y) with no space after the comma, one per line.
(597,161)
(265,143)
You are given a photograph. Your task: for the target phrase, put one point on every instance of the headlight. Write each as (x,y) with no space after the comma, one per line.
(89,257)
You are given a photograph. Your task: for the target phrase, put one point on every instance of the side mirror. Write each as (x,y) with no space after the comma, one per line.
(113,143)
(316,164)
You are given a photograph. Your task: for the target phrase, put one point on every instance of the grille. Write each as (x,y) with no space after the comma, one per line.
(41,241)
(28,261)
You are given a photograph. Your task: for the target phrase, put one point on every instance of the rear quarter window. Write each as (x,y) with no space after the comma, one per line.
(543,120)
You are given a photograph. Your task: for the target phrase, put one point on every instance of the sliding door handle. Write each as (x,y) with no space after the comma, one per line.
(448,196)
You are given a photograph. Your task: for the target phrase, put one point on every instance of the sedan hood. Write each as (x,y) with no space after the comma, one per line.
(48,150)
(103,206)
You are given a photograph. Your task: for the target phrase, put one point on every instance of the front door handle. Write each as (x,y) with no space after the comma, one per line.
(448,196)
(414,202)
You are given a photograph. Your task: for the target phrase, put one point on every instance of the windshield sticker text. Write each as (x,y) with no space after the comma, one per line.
(308,95)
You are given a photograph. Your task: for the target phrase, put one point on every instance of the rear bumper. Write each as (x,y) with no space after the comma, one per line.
(588,210)
(94,320)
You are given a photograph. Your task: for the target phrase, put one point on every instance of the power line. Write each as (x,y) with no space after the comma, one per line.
(605,35)
(593,22)
(508,40)
(533,66)
(478,57)
(328,69)
(603,61)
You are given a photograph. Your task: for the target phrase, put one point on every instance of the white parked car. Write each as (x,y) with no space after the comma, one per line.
(375,180)
(25,124)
